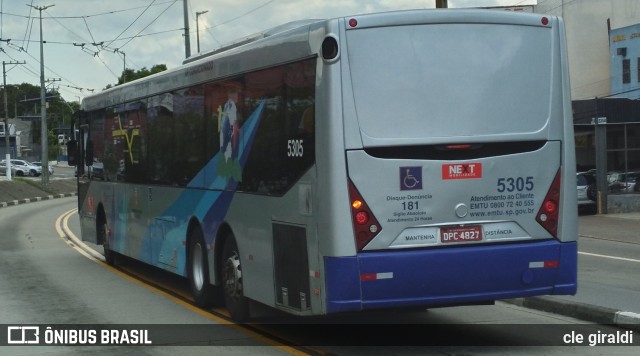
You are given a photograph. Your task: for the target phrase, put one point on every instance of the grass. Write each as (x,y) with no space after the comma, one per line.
(36,184)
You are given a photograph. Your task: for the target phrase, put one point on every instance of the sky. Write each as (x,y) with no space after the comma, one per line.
(89,42)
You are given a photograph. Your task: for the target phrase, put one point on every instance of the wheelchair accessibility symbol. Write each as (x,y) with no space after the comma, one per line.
(410,178)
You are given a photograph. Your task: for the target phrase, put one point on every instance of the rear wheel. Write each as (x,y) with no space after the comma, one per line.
(592,192)
(102,228)
(204,293)
(234,299)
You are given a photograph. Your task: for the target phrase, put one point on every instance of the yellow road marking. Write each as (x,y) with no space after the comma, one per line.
(65,233)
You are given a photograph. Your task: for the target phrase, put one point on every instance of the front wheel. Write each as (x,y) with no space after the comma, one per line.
(204,294)
(234,299)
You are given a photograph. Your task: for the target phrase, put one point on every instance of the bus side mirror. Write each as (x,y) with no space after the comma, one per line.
(88,154)
(72,152)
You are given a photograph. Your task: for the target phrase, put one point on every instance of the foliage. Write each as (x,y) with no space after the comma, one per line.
(23,101)
(129,75)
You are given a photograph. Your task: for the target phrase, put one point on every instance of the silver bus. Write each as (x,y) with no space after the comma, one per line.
(402,159)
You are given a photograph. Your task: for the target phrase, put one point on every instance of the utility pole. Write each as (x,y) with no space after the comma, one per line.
(198,27)
(124,65)
(7,146)
(187,42)
(43,107)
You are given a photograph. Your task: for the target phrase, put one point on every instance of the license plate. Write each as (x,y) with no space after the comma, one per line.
(461,234)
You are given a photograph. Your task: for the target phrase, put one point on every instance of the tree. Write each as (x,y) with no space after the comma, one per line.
(23,101)
(131,75)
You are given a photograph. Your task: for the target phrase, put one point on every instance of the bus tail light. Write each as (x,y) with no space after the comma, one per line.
(365,225)
(549,212)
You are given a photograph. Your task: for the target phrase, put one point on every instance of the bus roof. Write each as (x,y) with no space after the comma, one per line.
(282,44)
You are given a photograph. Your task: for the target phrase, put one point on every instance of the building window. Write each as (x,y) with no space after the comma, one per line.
(626,71)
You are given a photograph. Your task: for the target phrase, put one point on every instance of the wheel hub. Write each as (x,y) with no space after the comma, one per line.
(233,277)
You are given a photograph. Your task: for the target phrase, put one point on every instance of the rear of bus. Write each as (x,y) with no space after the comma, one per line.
(460,160)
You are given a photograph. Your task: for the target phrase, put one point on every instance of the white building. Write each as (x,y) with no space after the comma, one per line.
(588,24)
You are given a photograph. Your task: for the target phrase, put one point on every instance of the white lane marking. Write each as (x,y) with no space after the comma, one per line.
(611,257)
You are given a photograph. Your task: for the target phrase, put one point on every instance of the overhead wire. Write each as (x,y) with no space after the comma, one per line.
(134,21)
(26,41)
(29,23)
(154,20)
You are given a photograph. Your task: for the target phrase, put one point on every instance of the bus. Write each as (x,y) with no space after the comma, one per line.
(408,159)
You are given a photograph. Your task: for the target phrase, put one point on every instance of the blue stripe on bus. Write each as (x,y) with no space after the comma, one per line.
(209,206)
(431,277)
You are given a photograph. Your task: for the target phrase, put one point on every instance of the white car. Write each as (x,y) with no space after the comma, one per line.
(39,164)
(21,168)
(586,190)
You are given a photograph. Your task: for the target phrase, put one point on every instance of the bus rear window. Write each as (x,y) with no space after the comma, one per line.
(451,80)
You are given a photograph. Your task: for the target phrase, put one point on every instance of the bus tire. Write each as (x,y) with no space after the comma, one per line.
(204,294)
(231,269)
(102,228)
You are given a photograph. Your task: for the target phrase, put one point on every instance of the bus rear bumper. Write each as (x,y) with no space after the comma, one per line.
(461,275)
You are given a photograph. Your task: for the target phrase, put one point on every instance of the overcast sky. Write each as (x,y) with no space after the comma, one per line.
(151,32)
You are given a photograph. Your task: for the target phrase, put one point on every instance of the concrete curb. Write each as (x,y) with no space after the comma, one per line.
(36,199)
(582,311)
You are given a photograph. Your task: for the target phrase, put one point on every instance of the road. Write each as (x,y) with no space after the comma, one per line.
(60,171)
(609,261)
(45,281)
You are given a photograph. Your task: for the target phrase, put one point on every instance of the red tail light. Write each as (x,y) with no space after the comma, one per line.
(549,212)
(365,225)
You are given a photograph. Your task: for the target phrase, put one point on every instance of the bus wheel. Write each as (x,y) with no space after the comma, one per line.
(234,298)
(204,294)
(109,255)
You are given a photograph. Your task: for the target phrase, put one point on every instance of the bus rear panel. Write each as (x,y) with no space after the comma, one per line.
(460,160)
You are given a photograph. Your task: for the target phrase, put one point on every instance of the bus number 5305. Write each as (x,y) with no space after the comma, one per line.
(295,148)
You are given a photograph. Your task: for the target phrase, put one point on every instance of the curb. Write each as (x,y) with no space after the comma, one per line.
(582,311)
(36,199)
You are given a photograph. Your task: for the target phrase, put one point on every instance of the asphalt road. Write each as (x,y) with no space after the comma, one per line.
(45,281)
(609,261)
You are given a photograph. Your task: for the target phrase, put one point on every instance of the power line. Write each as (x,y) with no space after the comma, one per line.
(66,28)
(134,21)
(154,20)
(29,23)
(242,15)
(85,43)
(82,16)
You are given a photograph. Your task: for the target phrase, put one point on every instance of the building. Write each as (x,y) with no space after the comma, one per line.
(17,130)
(588,24)
(13,140)
(625,62)
(603,40)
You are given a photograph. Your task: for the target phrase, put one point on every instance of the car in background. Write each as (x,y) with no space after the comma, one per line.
(39,164)
(623,182)
(97,170)
(587,190)
(21,168)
